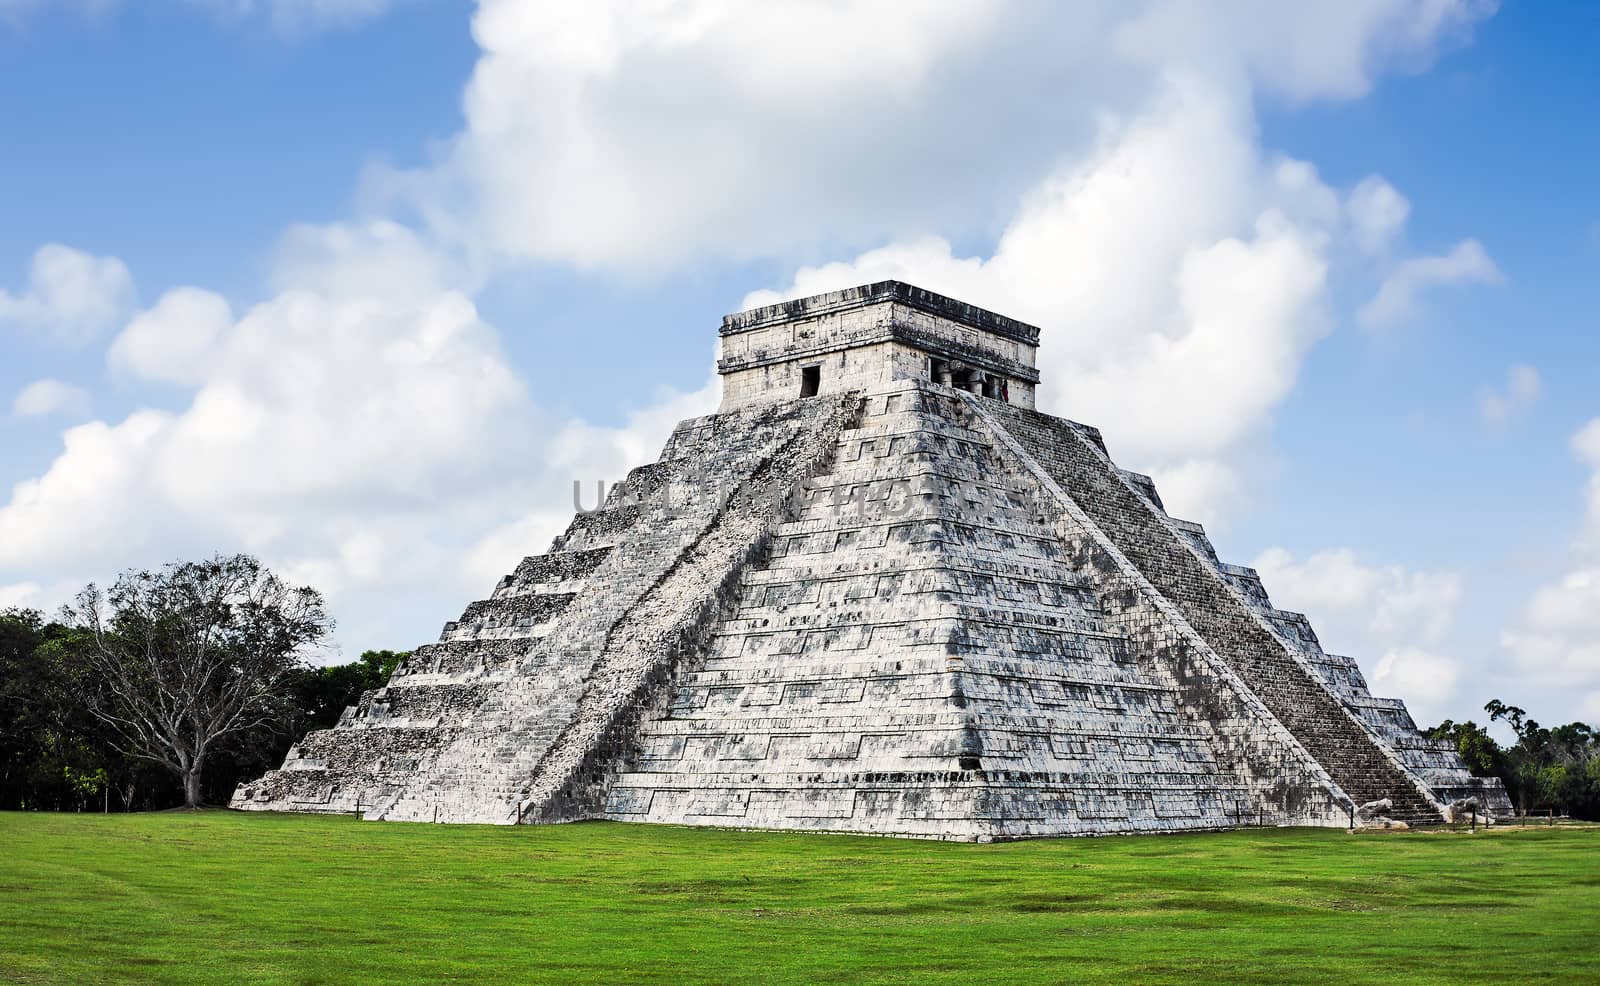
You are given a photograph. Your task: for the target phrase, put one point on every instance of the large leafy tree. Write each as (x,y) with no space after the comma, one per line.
(192,654)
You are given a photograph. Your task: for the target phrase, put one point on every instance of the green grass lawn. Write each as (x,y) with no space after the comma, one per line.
(222,897)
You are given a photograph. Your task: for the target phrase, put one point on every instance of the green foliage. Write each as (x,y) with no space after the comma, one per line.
(1478,749)
(223,897)
(1545,769)
(50,745)
(380,664)
(182,658)
(85,782)
(321,694)
(55,754)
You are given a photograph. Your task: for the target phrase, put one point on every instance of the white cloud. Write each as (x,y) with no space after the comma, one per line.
(1426,681)
(614,133)
(1303,52)
(621,134)
(176,341)
(1378,212)
(44,397)
(1360,606)
(590,456)
(1398,297)
(70,296)
(1556,640)
(1365,610)
(317,407)
(1179,271)
(361,428)
(1174,319)
(362,435)
(1522,388)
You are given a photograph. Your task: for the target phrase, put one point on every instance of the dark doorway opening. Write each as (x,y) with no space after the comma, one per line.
(810,380)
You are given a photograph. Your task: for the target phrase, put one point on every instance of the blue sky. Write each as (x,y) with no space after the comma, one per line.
(362,285)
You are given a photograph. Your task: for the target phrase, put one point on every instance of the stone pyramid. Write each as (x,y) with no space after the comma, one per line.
(877,592)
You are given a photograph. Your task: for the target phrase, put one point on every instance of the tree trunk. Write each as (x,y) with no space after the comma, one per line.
(191,786)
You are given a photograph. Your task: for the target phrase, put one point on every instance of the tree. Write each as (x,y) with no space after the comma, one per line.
(46,757)
(1524,762)
(1573,776)
(1557,768)
(1478,750)
(25,698)
(192,654)
(321,694)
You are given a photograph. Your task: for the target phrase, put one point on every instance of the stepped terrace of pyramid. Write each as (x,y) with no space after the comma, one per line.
(878,592)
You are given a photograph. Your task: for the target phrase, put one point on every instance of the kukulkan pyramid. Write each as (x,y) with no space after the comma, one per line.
(878,592)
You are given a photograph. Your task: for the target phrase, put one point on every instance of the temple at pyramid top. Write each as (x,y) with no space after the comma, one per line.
(868,336)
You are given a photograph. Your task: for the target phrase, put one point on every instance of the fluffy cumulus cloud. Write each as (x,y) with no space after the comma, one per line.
(361,427)
(70,296)
(1556,641)
(45,397)
(176,340)
(616,133)
(1392,619)
(1499,405)
(360,435)
(1426,681)
(619,133)
(1179,320)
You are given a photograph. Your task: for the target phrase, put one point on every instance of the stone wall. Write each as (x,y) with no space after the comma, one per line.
(917,656)
(529,649)
(665,634)
(906,610)
(867,337)
(1365,768)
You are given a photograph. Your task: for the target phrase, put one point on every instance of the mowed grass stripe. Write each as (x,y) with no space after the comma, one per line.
(219,897)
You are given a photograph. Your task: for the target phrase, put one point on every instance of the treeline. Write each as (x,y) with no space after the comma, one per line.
(170,687)
(1556,769)
(119,703)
